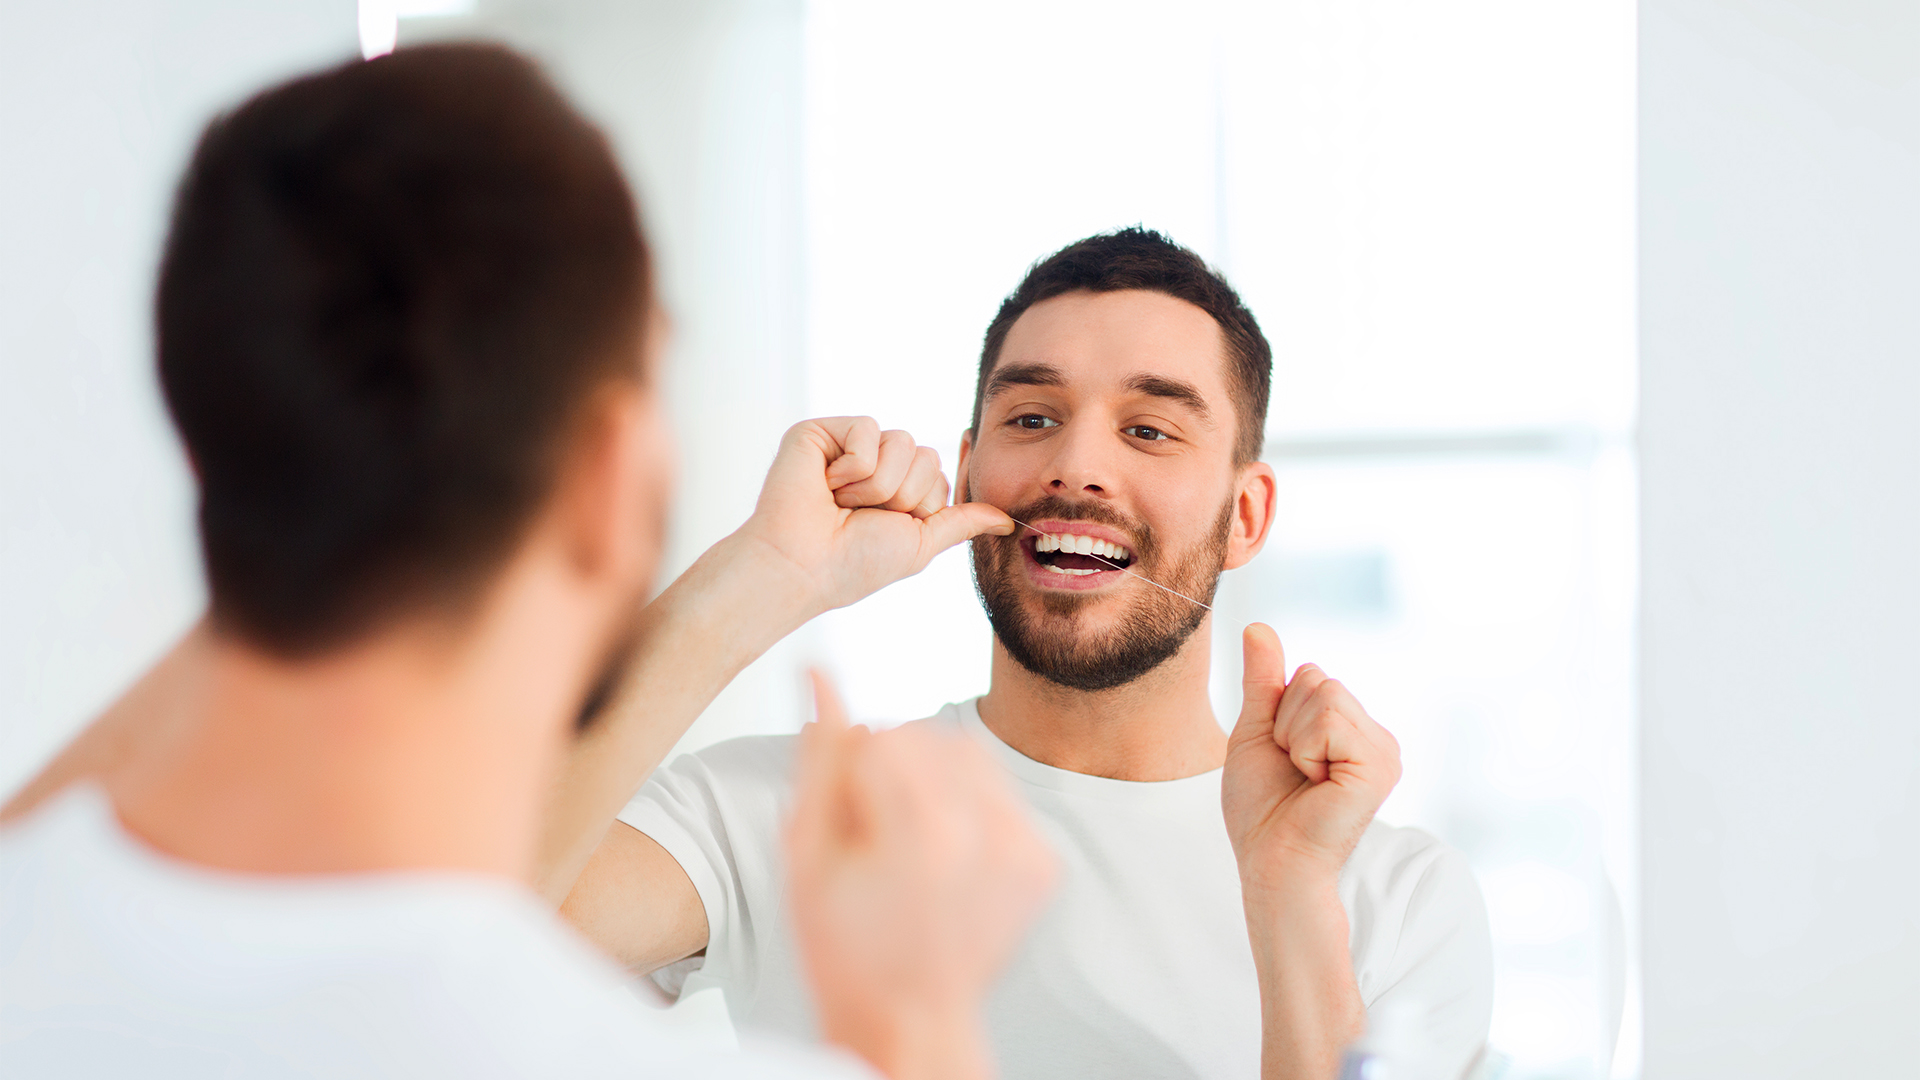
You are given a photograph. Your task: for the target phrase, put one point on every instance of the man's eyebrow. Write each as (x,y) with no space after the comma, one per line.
(1162,386)
(1011,375)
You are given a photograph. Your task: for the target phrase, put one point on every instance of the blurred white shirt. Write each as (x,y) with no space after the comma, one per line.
(1141,965)
(117,961)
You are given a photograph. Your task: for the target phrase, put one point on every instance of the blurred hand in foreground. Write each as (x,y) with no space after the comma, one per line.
(914,874)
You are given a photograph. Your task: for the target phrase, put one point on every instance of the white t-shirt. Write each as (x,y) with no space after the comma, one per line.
(117,961)
(1140,966)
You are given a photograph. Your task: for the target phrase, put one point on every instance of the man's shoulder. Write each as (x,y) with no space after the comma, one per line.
(1398,873)
(1397,858)
(768,759)
(745,756)
(356,976)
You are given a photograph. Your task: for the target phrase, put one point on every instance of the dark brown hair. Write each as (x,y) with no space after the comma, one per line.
(388,291)
(1137,258)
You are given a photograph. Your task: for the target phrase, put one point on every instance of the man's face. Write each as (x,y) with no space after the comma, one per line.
(1107,425)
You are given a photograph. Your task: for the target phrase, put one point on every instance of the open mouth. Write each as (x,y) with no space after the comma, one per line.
(1077,555)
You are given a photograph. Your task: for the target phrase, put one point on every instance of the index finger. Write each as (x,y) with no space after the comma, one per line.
(820,740)
(823,750)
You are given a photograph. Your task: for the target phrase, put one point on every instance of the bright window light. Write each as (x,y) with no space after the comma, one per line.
(380,20)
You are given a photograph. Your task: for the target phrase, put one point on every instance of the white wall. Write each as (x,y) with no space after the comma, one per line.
(99,105)
(1780,293)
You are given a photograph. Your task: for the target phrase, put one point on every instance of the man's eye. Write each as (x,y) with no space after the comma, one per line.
(1142,431)
(1034,421)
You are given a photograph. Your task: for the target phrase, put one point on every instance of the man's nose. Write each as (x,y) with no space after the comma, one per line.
(1082,465)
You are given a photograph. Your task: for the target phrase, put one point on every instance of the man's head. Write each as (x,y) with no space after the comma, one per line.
(1122,403)
(404,305)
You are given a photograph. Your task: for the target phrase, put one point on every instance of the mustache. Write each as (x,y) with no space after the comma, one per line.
(1139,534)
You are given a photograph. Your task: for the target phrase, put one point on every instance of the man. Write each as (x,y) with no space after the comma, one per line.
(1119,416)
(406,333)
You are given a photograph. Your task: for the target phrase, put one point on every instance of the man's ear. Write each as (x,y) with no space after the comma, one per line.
(960,468)
(594,504)
(1255,498)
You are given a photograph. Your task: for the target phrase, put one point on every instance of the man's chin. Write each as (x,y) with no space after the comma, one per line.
(1074,641)
(1087,639)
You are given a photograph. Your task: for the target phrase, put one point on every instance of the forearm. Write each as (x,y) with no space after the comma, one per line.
(1310,1008)
(730,606)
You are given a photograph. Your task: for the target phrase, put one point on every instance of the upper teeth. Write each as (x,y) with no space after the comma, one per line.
(1075,544)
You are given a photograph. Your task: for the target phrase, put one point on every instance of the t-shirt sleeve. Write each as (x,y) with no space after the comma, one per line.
(718,812)
(1436,969)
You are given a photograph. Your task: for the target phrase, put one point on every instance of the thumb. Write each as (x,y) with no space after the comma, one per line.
(1264,678)
(964,521)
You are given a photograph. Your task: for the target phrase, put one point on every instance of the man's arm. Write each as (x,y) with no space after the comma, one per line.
(636,902)
(846,510)
(1306,769)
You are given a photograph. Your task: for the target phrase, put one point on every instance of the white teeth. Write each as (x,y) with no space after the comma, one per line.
(1076,544)
(1075,573)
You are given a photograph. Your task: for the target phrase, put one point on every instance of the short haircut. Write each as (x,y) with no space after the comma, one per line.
(389,291)
(1137,258)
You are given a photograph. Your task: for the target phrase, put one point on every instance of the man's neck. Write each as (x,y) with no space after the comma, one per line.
(409,751)
(1158,727)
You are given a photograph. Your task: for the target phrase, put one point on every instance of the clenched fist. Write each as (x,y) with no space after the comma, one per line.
(854,508)
(1306,770)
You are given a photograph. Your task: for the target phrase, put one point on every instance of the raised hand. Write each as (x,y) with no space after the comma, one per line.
(854,508)
(914,873)
(1306,770)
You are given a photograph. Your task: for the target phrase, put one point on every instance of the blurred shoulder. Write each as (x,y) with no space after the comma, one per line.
(770,758)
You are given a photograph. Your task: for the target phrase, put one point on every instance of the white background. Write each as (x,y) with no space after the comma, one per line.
(1429,207)
(1780,157)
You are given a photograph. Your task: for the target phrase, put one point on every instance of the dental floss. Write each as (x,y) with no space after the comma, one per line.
(1117,566)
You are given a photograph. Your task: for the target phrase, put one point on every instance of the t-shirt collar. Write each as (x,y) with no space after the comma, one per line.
(1205,786)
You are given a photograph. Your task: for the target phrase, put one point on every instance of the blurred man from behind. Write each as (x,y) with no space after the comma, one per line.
(406,331)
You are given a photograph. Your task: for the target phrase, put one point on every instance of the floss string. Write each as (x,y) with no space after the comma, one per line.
(1120,568)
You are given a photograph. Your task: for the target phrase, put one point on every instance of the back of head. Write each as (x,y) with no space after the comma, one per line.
(388,292)
(1137,258)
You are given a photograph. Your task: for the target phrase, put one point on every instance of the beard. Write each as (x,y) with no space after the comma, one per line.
(1054,642)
